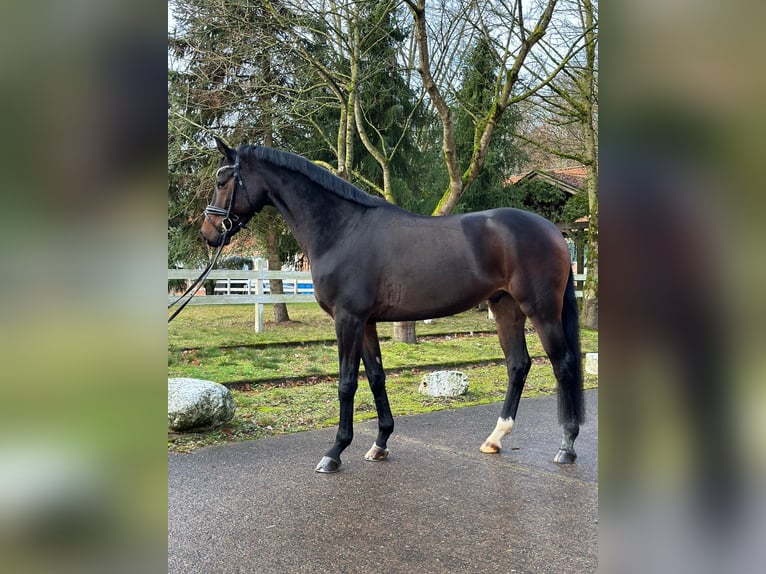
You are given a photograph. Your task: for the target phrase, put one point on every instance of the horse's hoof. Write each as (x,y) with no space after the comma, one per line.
(490,447)
(328,465)
(376,453)
(565,456)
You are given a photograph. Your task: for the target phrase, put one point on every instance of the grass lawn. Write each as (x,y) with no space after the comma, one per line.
(285,379)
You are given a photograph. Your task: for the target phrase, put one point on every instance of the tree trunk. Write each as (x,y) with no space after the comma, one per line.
(272,222)
(590,292)
(404,332)
(275,264)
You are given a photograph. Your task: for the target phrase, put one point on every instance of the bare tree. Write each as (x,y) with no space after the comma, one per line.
(504,25)
(566,119)
(442,45)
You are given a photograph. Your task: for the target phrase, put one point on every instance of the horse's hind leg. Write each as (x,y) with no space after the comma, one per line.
(561,344)
(510,329)
(373,366)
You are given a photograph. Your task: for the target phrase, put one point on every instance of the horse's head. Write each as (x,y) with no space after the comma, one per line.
(233,203)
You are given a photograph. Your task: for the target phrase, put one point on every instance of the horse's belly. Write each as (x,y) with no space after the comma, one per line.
(438,297)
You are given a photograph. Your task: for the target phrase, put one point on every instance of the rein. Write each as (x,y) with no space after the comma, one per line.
(193,287)
(230,224)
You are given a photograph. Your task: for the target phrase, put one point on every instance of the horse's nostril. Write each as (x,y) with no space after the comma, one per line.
(207,241)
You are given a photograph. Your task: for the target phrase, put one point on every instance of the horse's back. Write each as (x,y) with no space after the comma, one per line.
(432,266)
(524,224)
(514,235)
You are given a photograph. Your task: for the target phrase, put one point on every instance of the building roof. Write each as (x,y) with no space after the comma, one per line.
(567,179)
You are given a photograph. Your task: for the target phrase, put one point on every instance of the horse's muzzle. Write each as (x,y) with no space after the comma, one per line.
(216,242)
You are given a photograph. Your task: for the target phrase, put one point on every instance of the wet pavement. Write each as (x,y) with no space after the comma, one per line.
(436,505)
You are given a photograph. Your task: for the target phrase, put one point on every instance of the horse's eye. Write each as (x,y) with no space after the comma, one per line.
(221,184)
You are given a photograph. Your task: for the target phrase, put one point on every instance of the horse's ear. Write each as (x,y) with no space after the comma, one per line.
(227,152)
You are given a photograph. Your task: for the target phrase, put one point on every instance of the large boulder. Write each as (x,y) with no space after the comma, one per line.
(194,404)
(444,384)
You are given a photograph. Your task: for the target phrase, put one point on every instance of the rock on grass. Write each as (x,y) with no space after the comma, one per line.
(195,404)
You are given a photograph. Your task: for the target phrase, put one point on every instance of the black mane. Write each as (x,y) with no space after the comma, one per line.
(319,175)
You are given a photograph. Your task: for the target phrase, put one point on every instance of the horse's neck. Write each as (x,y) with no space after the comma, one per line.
(315,217)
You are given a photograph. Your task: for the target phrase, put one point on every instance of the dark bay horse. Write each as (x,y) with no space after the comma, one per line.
(372,261)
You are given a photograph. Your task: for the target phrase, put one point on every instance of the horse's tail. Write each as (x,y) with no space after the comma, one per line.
(571,398)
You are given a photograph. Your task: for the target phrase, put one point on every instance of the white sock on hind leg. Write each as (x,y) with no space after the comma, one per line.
(502,428)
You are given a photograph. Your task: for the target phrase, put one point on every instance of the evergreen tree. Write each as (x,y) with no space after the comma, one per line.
(476,97)
(226,78)
(389,108)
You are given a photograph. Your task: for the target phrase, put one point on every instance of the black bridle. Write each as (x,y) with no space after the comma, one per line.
(230,224)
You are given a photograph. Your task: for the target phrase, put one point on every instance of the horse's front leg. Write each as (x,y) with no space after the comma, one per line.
(350,333)
(373,366)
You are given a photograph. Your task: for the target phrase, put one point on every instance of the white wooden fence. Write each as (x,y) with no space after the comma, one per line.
(579,284)
(243,287)
(239,287)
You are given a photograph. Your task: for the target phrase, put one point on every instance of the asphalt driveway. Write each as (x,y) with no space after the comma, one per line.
(437,504)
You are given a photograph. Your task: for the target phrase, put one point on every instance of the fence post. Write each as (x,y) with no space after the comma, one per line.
(258,291)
